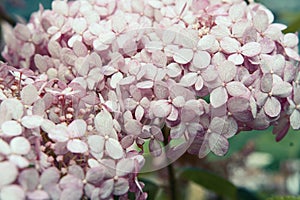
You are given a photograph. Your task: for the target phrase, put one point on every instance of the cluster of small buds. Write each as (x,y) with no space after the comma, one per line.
(89,85)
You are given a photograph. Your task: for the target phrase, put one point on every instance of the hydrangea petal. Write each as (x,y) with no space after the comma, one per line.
(20,145)
(95,175)
(272,107)
(227,71)
(284,89)
(114,148)
(5,149)
(104,122)
(218,97)
(261,21)
(295,119)
(96,143)
(14,107)
(230,45)
(77,146)
(201,59)
(107,188)
(173,70)
(12,192)
(236,58)
(218,144)
(188,79)
(32,121)
(155,148)
(59,133)
(183,56)
(29,94)
(162,109)
(77,128)
(125,166)
(236,88)
(8,173)
(11,128)
(251,49)
(20,161)
(121,186)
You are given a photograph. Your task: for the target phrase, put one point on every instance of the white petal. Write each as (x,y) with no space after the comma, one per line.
(218,144)
(125,166)
(183,56)
(60,7)
(227,71)
(283,89)
(96,143)
(201,59)
(145,85)
(11,128)
(218,97)
(173,70)
(295,119)
(13,107)
(19,161)
(133,127)
(79,25)
(251,49)
(261,21)
(59,133)
(161,109)
(155,4)
(236,58)
(77,128)
(139,113)
(292,54)
(20,145)
(236,88)
(5,149)
(32,121)
(114,148)
(115,79)
(230,45)
(153,46)
(206,42)
(8,173)
(121,186)
(104,122)
(188,79)
(77,146)
(29,94)
(272,107)
(12,192)
(107,188)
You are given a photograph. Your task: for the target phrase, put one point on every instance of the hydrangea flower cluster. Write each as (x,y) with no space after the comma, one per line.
(89,85)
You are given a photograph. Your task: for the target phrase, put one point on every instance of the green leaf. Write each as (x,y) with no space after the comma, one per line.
(284,198)
(294,25)
(245,194)
(210,181)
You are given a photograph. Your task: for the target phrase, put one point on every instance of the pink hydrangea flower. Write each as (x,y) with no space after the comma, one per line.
(88,83)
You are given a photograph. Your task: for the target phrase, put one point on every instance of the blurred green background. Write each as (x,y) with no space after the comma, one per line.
(257,166)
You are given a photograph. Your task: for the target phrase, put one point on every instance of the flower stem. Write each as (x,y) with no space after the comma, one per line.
(170,167)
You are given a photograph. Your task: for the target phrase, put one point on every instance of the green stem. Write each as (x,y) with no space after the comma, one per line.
(170,168)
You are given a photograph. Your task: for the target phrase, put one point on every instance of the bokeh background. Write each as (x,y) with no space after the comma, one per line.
(256,165)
